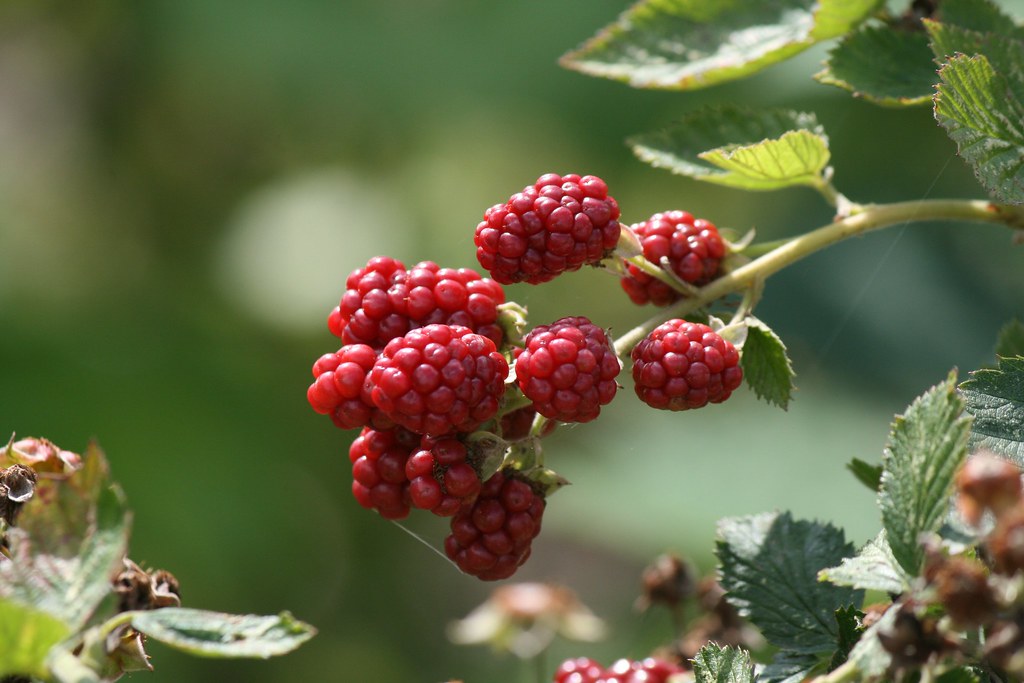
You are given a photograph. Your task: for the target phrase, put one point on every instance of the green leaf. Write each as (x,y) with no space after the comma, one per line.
(883,65)
(766,367)
(926,446)
(762,149)
(215,634)
(714,664)
(983,115)
(995,397)
(27,635)
(963,674)
(978,15)
(769,565)
(866,473)
(687,44)
(1002,49)
(869,657)
(873,568)
(848,620)
(787,667)
(1010,341)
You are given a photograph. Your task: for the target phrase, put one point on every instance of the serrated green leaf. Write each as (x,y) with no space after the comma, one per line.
(215,634)
(714,664)
(995,397)
(866,473)
(963,674)
(1010,341)
(687,44)
(873,568)
(729,145)
(869,657)
(27,635)
(766,367)
(926,446)
(984,116)
(769,566)
(883,65)
(1003,50)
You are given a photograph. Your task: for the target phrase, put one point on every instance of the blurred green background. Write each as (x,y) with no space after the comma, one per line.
(185,184)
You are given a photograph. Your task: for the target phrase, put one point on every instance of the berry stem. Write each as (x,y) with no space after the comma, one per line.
(865,219)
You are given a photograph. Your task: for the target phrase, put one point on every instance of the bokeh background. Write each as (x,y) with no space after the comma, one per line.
(185,184)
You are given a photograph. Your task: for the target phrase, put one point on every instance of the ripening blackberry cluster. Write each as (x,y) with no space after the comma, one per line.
(431,357)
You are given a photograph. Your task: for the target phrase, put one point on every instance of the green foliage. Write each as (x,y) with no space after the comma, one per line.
(769,565)
(1010,341)
(687,44)
(866,473)
(214,634)
(926,446)
(739,147)
(883,65)
(873,568)
(27,635)
(995,397)
(766,367)
(714,664)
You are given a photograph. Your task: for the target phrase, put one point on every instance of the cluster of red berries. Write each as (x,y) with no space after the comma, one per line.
(426,358)
(586,670)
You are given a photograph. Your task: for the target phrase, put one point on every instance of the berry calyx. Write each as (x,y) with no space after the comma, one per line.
(692,246)
(384,300)
(378,470)
(439,379)
(491,537)
(568,369)
(683,365)
(556,225)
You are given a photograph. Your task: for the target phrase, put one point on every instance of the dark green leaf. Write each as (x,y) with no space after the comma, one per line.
(873,568)
(926,446)
(1011,339)
(995,397)
(214,634)
(787,667)
(769,567)
(27,635)
(686,44)
(766,367)
(1003,50)
(761,149)
(883,65)
(849,621)
(714,664)
(982,114)
(866,473)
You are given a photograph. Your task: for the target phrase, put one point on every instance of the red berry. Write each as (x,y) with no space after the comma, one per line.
(568,369)
(586,670)
(693,248)
(379,460)
(683,365)
(579,670)
(439,379)
(383,301)
(555,225)
(440,477)
(491,538)
(340,388)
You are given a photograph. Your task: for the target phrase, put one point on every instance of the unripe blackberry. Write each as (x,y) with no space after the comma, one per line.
(1006,541)
(586,670)
(568,369)
(378,470)
(491,538)
(440,477)
(555,225)
(692,246)
(987,482)
(340,388)
(383,301)
(579,670)
(439,379)
(683,365)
